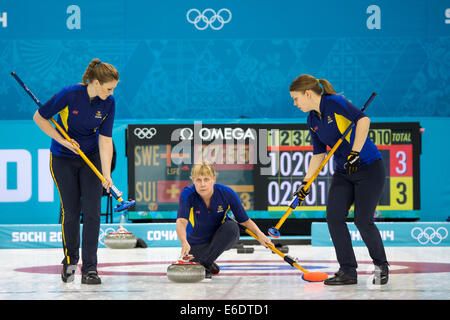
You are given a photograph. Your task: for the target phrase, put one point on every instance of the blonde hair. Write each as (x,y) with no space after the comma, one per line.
(101,71)
(308,82)
(203,169)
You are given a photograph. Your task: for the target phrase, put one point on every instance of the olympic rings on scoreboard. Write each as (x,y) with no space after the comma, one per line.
(144,133)
(429,234)
(208,21)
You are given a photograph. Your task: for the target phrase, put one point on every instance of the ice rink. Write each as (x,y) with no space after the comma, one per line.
(140,274)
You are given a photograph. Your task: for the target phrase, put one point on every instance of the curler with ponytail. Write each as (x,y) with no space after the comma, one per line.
(308,82)
(101,71)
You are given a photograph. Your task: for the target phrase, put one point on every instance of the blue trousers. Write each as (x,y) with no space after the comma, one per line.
(363,189)
(80,191)
(226,237)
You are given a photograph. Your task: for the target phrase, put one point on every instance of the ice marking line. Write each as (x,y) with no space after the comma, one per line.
(404,268)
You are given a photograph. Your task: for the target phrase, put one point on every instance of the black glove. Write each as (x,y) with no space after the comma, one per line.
(352,163)
(301,191)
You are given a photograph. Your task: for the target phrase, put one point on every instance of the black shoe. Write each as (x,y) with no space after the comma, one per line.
(340,278)
(381,275)
(208,275)
(91,277)
(215,269)
(68,272)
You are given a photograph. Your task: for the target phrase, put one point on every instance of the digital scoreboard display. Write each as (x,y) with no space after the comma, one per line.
(263,163)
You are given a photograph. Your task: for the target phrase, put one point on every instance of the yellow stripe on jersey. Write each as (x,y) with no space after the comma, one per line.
(225,214)
(342,124)
(191,217)
(64,114)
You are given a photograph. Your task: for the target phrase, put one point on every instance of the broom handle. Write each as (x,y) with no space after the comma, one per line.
(286,258)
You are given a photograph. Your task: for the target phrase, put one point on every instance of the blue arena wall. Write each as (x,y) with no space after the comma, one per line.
(176,71)
(394,234)
(42,207)
(171,68)
(397,234)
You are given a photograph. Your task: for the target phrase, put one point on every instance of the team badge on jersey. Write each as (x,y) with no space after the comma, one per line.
(330,120)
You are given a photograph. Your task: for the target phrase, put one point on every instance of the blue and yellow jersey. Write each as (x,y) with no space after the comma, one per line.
(82,119)
(203,223)
(337,114)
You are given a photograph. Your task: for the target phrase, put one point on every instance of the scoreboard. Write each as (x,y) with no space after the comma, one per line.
(399,144)
(264,164)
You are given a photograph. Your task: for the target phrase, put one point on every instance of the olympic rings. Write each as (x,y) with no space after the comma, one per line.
(144,133)
(429,235)
(202,21)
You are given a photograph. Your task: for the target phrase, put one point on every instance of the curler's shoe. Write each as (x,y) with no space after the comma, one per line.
(381,275)
(340,278)
(91,277)
(68,272)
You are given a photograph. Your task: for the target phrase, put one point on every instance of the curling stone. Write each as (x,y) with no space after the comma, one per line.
(185,272)
(241,249)
(281,248)
(245,250)
(120,239)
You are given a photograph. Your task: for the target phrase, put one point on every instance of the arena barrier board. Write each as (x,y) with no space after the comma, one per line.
(394,234)
(39,236)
